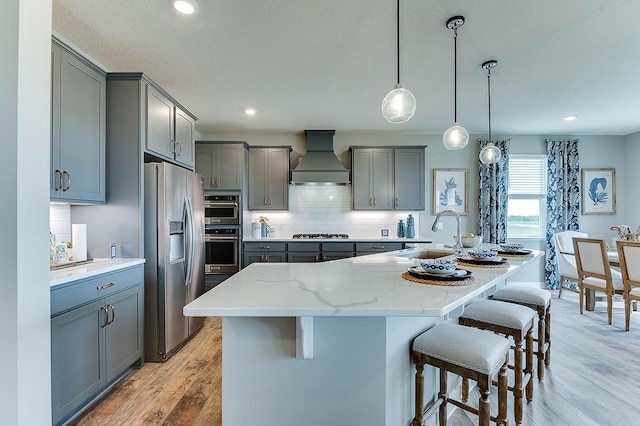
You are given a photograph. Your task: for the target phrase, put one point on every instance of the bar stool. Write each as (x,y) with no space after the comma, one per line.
(511,320)
(540,301)
(470,353)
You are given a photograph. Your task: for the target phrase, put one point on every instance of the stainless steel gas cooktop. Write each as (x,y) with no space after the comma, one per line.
(318,236)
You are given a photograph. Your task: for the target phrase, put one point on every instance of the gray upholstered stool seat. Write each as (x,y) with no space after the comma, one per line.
(470,353)
(539,300)
(515,321)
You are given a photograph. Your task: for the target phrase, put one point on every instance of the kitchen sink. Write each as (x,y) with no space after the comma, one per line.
(426,254)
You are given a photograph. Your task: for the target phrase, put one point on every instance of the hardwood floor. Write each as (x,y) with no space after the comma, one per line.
(593,379)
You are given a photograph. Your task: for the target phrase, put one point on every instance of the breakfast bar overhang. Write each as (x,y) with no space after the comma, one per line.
(329,343)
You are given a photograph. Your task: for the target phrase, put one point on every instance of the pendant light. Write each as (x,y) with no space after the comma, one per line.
(399,105)
(456,136)
(490,154)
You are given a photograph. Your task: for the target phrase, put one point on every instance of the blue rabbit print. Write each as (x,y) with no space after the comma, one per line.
(597,193)
(449,196)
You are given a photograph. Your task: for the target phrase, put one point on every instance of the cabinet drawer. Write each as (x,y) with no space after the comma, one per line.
(326,247)
(378,247)
(264,246)
(315,247)
(86,290)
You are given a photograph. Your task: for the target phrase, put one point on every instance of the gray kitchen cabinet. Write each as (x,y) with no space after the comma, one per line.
(78,128)
(263,252)
(221,164)
(409,178)
(268,178)
(96,335)
(318,252)
(372,178)
(170,129)
(377,247)
(388,178)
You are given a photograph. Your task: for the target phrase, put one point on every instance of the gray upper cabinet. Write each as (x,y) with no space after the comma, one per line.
(78,128)
(268,178)
(409,178)
(388,178)
(372,174)
(170,129)
(221,164)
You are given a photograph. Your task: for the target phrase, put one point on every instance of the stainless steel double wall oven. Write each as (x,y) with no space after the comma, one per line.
(223,234)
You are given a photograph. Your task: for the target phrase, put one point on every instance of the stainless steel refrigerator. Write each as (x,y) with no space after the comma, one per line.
(174,252)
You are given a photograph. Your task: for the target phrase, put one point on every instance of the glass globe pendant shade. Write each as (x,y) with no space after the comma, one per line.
(456,137)
(399,105)
(490,154)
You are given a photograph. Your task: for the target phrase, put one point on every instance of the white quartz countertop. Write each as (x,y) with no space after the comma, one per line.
(98,266)
(338,240)
(361,286)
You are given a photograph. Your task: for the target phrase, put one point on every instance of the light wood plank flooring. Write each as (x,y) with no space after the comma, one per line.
(593,379)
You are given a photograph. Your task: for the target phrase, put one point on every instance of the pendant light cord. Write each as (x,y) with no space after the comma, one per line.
(398,39)
(489,97)
(455,74)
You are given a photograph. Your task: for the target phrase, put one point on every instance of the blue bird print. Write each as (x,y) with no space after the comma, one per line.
(597,192)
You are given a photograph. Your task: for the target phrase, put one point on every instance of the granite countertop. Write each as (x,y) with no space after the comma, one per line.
(360,286)
(98,266)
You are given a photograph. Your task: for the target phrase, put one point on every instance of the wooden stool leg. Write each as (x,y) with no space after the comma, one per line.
(581,297)
(627,314)
(541,342)
(503,387)
(484,414)
(417,360)
(609,307)
(547,336)
(528,369)
(443,396)
(517,388)
(465,389)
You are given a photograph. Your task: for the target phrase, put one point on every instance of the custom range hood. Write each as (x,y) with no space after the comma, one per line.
(320,166)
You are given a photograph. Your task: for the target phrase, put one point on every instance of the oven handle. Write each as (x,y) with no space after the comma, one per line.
(207,238)
(218,203)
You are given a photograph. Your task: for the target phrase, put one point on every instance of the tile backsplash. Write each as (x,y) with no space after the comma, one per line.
(60,221)
(327,209)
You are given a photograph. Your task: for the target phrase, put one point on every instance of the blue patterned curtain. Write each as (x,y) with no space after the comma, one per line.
(493,195)
(563,198)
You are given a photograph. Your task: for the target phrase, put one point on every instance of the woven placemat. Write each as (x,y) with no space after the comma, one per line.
(468,281)
(478,265)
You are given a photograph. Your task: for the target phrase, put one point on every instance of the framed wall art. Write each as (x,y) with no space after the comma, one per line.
(598,191)
(450,190)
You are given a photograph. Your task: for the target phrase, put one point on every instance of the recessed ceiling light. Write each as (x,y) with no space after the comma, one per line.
(570,117)
(186,7)
(250,111)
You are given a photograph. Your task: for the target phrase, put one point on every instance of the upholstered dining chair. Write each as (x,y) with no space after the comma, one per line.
(629,255)
(594,271)
(567,270)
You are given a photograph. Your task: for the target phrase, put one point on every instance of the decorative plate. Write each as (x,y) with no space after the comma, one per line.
(471,259)
(458,274)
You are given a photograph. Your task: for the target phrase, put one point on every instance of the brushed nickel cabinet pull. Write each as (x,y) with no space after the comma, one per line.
(102,287)
(370,202)
(374,201)
(378,247)
(264,247)
(179,152)
(59,179)
(396,201)
(113,313)
(211,182)
(66,188)
(106,317)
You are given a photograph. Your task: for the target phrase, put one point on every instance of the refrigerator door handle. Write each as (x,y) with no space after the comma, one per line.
(189,241)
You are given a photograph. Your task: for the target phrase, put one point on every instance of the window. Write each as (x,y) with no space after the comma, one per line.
(527,207)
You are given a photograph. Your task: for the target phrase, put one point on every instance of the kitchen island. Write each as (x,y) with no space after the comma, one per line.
(329,343)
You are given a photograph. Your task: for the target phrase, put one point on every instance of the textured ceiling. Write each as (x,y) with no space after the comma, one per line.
(327,64)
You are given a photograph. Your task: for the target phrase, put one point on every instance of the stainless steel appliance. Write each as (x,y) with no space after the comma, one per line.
(174,252)
(222,250)
(222,209)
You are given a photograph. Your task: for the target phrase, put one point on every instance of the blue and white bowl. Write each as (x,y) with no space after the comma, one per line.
(511,247)
(438,266)
(483,254)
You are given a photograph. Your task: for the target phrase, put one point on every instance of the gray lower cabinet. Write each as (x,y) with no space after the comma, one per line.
(96,335)
(221,164)
(388,178)
(263,252)
(268,172)
(78,128)
(305,252)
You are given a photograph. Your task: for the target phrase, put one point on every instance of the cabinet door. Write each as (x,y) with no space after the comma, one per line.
(278,179)
(264,257)
(184,138)
(205,156)
(304,257)
(77,357)
(55,187)
(124,338)
(258,158)
(409,179)
(231,167)
(362,177)
(82,130)
(383,198)
(159,124)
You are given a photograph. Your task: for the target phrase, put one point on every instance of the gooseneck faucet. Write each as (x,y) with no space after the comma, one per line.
(457,247)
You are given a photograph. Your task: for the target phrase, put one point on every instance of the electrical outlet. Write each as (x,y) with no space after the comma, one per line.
(440,226)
